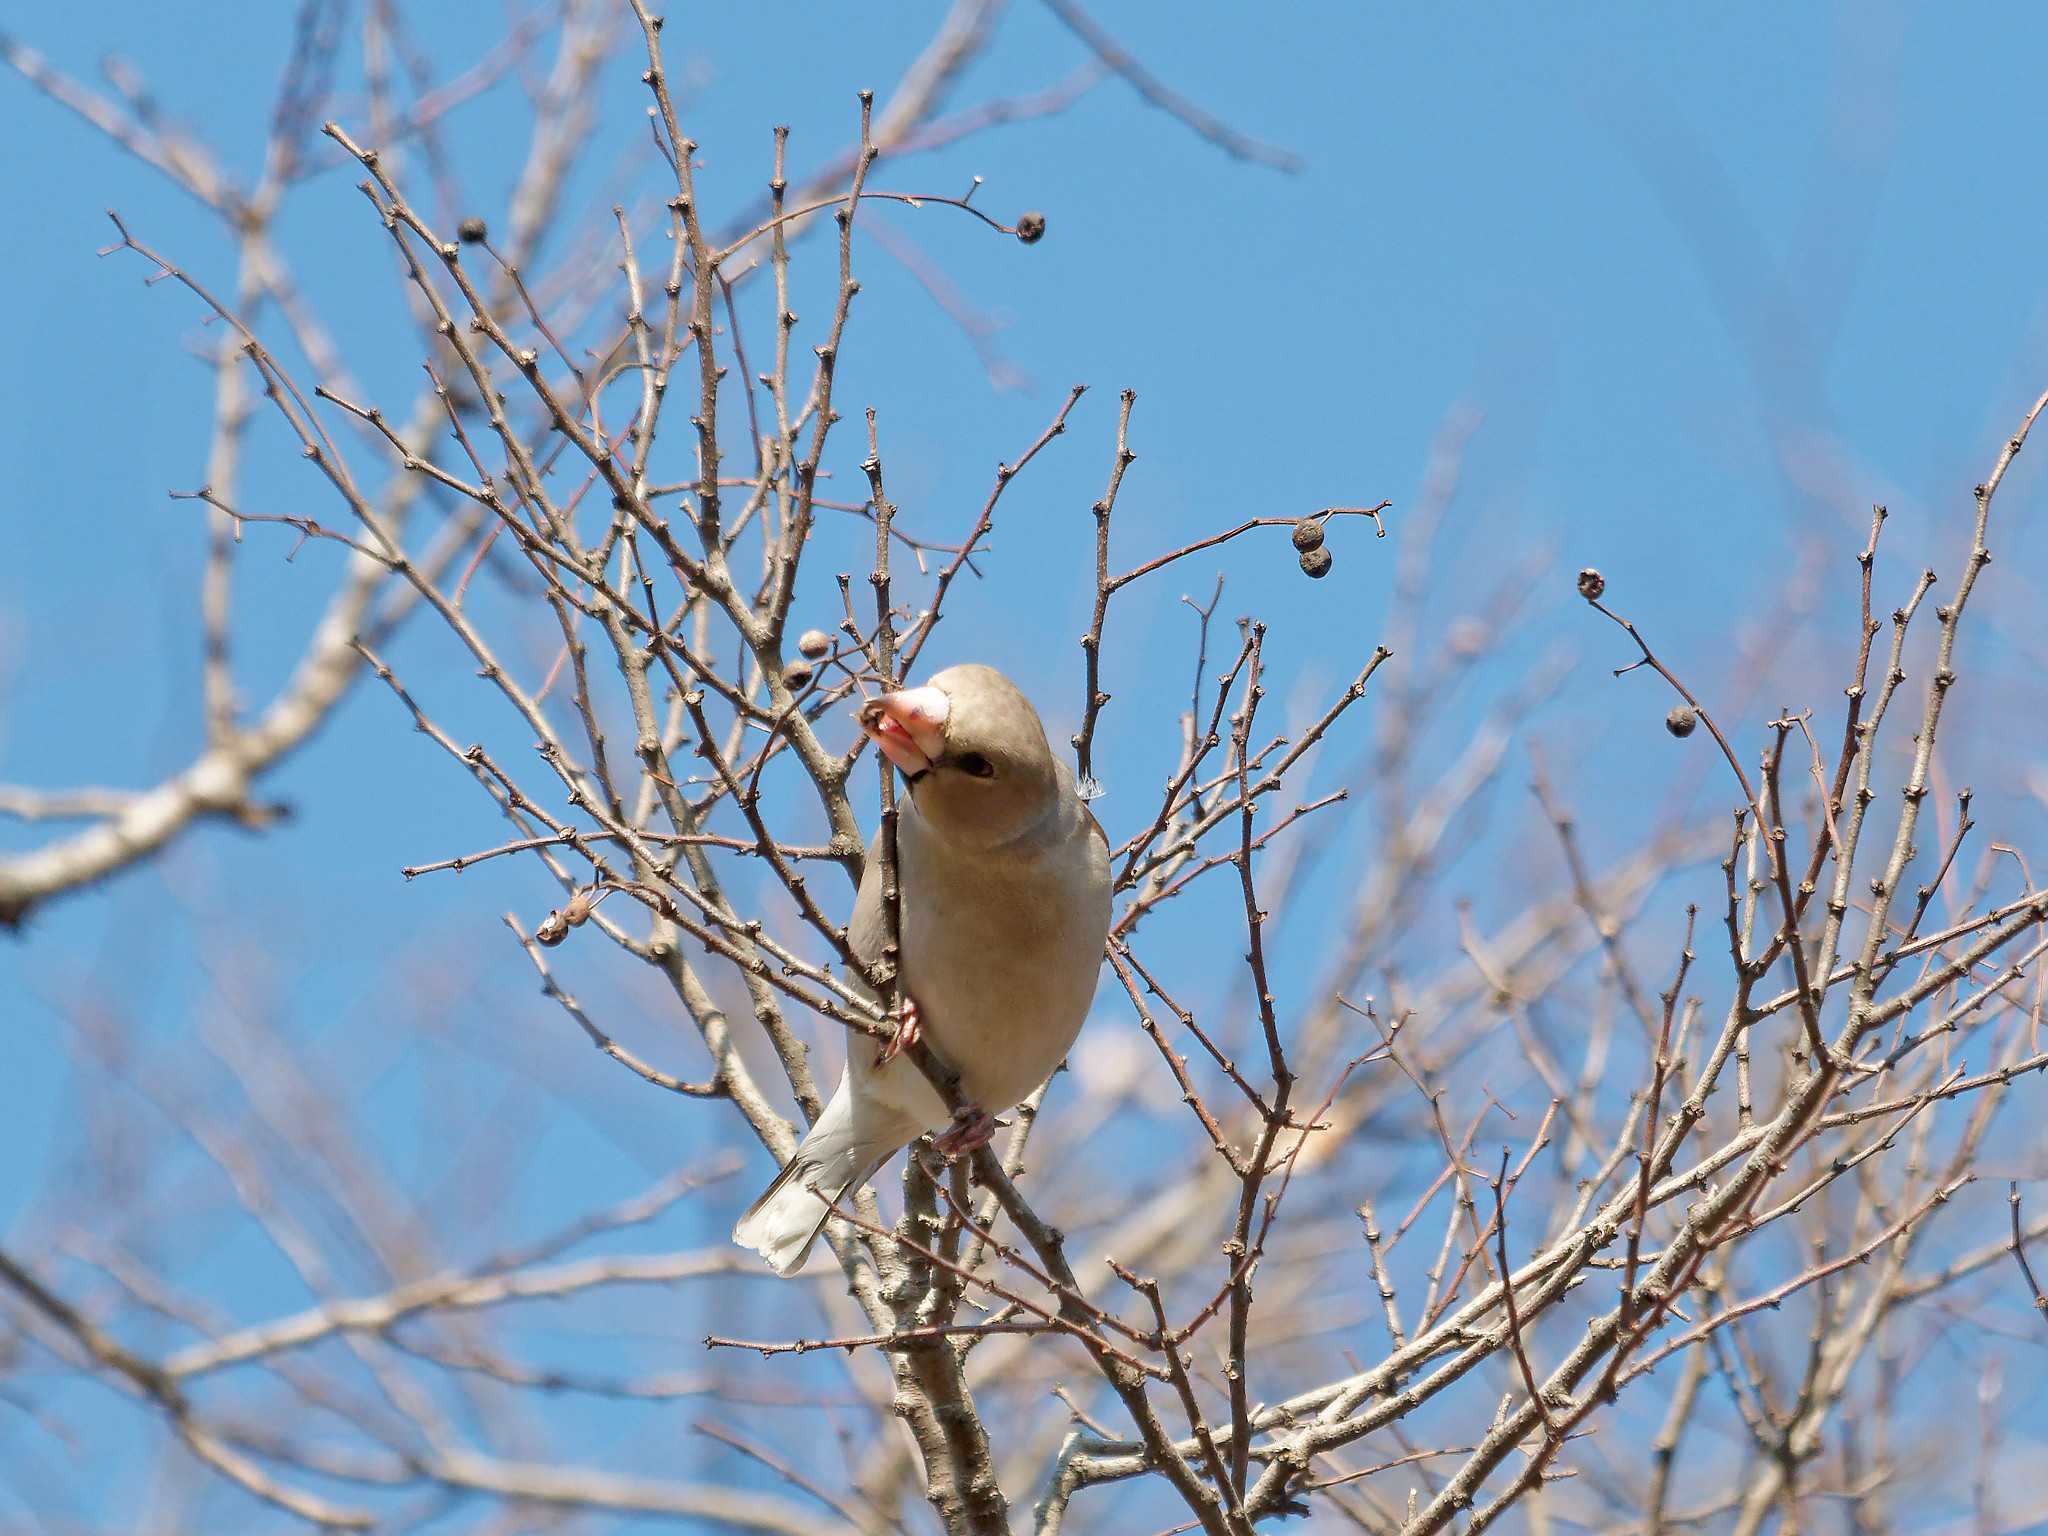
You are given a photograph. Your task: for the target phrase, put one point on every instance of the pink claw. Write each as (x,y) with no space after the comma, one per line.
(972,1127)
(909,1031)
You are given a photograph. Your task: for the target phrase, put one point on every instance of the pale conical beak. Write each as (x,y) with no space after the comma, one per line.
(909,726)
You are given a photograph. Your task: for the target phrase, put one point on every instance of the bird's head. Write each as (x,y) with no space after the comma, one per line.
(973,752)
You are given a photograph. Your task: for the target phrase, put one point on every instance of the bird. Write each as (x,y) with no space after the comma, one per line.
(1004,881)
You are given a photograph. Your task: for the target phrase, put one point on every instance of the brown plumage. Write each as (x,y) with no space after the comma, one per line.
(1005,906)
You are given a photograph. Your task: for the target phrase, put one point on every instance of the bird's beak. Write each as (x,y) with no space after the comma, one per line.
(909,726)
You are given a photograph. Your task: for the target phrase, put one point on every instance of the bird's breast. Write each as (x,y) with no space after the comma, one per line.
(1003,962)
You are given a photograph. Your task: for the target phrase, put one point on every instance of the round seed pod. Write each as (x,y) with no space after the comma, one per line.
(552,930)
(1031,227)
(1316,563)
(1681,721)
(472,231)
(814,643)
(1308,534)
(797,676)
(1591,584)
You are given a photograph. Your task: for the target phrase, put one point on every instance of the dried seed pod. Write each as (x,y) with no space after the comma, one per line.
(814,643)
(1591,584)
(1031,227)
(1308,534)
(797,676)
(574,913)
(1681,721)
(472,231)
(1316,563)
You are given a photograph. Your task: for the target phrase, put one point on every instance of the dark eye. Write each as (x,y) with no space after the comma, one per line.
(976,764)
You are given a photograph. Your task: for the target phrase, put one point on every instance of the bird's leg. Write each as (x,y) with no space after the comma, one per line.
(972,1127)
(909,1031)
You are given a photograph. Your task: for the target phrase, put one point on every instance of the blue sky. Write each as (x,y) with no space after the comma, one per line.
(1708,281)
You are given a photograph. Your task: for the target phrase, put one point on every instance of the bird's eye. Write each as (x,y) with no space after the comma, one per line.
(976,764)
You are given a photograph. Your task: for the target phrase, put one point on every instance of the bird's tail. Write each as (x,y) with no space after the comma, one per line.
(833,1160)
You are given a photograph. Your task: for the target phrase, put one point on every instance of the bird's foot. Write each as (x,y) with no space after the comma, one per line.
(972,1127)
(909,1031)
